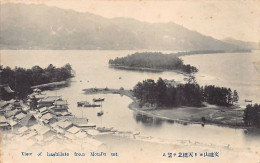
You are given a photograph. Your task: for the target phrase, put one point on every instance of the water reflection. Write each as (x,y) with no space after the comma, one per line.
(135,69)
(252,132)
(158,121)
(146,120)
(170,121)
(152,120)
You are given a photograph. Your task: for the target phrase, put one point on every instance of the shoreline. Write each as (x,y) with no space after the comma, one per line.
(157,113)
(127,93)
(231,117)
(155,70)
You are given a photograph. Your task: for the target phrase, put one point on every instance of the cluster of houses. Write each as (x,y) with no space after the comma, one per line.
(43,120)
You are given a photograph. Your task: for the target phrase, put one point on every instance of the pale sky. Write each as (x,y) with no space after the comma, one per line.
(239,19)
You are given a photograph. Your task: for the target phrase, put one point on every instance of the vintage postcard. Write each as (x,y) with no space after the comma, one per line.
(129,81)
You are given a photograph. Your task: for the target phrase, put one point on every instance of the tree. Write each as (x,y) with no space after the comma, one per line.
(68,67)
(50,68)
(252,115)
(161,89)
(149,91)
(230,96)
(190,79)
(33,103)
(235,97)
(138,91)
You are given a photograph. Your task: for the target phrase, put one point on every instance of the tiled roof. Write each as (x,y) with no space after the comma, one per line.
(74,130)
(20,116)
(2,119)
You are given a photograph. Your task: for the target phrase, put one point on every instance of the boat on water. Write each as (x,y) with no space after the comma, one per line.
(85,125)
(98,99)
(104,129)
(87,104)
(81,103)
(100,113)
(248,100)
(91,105)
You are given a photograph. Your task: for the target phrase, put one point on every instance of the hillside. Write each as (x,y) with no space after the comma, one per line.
(42,27)
(243,44)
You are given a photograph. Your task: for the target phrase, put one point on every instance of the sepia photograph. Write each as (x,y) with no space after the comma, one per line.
(134,81)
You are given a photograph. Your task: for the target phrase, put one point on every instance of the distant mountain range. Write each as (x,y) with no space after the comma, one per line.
(243,44)
(42,27)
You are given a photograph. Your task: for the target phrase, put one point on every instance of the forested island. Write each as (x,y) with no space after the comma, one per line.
(152,60)
(20,80)
(165,94)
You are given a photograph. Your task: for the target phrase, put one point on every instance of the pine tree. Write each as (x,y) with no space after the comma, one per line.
(235,97)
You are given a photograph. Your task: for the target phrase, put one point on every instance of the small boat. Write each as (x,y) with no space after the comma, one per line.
(248,100)
(87,104)
(85,125)
(100,113)
(81,103)
(104,129)
(98,99)
(91,105)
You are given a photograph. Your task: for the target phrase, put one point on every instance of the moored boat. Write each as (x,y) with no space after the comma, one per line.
(82,103)
(87,104)
(100,113)
(98,99)
(91,105)
(248,100)
(104,129)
